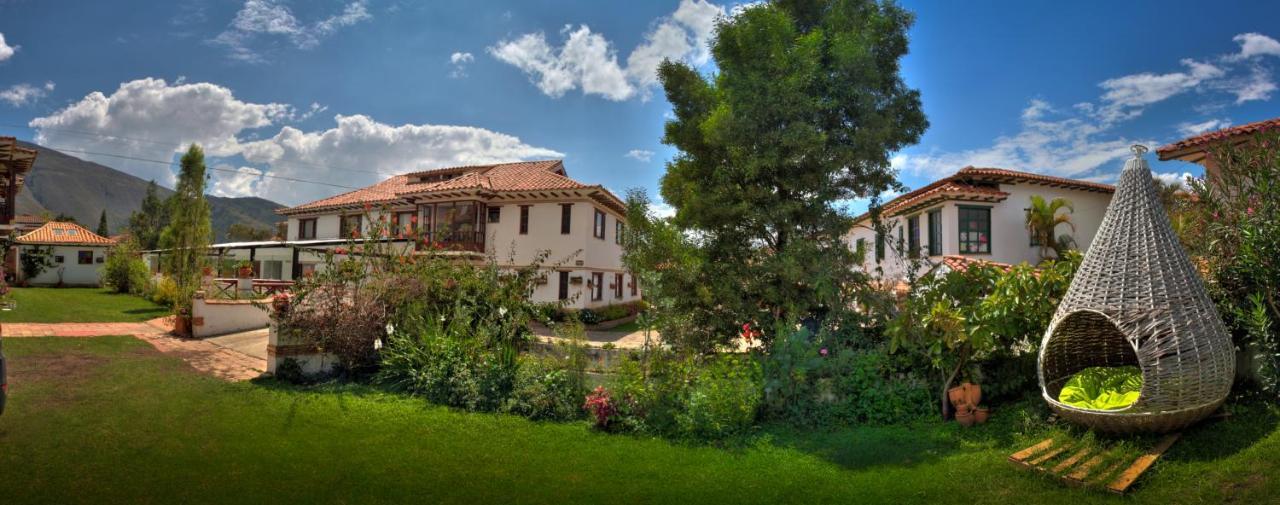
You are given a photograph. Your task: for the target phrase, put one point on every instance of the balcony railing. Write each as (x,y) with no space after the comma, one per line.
(454,241)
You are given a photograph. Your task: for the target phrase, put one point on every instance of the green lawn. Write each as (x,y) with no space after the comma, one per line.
(108,420)
(78,305)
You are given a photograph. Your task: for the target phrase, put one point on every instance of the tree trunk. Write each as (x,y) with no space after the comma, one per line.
(946,384)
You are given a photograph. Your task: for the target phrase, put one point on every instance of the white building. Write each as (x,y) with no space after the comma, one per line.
(77,254)
(975,214)
(508,211)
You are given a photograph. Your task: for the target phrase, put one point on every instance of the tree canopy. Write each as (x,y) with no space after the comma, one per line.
(146,224)
(188,234)
(804,113)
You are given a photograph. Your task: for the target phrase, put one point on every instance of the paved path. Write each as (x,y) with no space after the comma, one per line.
(206,357)
(598,338)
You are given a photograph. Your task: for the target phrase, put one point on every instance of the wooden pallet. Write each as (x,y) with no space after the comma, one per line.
(1075,464)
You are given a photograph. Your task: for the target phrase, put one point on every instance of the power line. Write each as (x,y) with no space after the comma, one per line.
(170,144)
(171,163)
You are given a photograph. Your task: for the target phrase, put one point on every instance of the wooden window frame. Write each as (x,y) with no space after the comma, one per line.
(618,228)
(566,218)
(913,236)
(563,293)
(617,285)
(597,286)
(344,229)
(962,220)
(524,219)
(935,232)
(879,247)
(494,214)
(599,223)
(302,228)
(80,257)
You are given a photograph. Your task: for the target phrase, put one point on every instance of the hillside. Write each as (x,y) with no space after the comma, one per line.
(60,183)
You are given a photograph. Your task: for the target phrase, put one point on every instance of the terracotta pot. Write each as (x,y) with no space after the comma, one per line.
(981,414)
(973,394)
(245,272)
(957,395)
(965,418)
(182,325)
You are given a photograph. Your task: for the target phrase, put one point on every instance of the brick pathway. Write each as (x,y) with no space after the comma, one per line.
(205,357)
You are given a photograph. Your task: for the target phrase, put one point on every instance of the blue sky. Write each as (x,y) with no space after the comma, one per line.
(344,92)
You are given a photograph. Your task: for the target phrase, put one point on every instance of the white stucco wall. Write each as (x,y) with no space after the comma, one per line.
(578,252)
(1011,242)
(69,271)
(219,317)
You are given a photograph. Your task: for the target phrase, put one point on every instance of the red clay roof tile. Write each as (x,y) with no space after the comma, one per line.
(60,233)
(1205,138)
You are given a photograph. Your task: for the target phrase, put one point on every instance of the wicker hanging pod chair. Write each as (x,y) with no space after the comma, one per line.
(1137,300)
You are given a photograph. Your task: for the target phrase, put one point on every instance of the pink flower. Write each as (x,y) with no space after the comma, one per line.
(1249,211)
(823,351)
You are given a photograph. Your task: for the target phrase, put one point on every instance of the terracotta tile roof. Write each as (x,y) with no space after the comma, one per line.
(962,263)
(28,219)
(1169,151)
(965,185)
(502,177)
(16,158)
(59,233)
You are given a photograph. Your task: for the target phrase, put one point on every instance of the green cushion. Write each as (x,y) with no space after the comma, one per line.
(1103,388)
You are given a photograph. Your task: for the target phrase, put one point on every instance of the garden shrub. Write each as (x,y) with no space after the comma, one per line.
(698,397)
(164,291)
(1234,234)
(124,271)
(723,399)
(546,390)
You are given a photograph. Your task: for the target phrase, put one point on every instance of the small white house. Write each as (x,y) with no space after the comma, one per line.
(76,255)
(976,214)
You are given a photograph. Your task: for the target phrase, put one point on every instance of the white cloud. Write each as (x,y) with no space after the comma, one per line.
(360,151)
(1172,178)
(459,62)
(1140,90)
(230,181)
(6,50)
(1255,44)
(1258,85)
(24,94)
(149,118)
(661,209)
(1188,129)
(588,61)
(258,18)
(639,154)
(1065,145)
(585,61)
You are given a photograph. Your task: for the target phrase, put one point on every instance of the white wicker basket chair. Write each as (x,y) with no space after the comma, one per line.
(1137,300)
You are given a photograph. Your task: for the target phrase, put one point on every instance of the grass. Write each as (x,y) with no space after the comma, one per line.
(78,305)
(627,327)
(109,420)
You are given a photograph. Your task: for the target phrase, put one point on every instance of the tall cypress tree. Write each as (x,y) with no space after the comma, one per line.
(189,232)
(146,224)
(102,224)
(804,111)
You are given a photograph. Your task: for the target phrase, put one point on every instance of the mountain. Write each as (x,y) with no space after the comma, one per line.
(82,189)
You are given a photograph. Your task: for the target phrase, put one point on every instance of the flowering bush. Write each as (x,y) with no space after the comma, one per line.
(600,406)
(1235,236)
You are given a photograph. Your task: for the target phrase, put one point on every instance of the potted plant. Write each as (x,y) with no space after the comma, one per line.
(965,415)
(182,322)
(244,270)
(981,414)
(972,393)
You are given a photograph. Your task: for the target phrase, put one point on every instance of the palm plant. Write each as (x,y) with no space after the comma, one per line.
(1043,220)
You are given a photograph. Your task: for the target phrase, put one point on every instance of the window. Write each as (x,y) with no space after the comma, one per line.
(84,257)
(456,223)
(564,286)
(566,217)
(307,269)
(860,247)
(635,285)
(975,230)
(306,229)
(879,247)
(495,214)
(618,228)
(913,236)
(404,223)
(349,226)
(617,285)
(598,232)
(901,243)
(272,269)
(935,232)
(524,219)
(597,286)
(59,259)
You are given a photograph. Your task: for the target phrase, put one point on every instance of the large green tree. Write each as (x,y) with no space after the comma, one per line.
(146,224)
(804,113)
(189,232)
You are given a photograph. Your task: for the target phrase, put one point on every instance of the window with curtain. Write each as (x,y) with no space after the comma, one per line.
(598,232)
(975,230)
(935,232)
